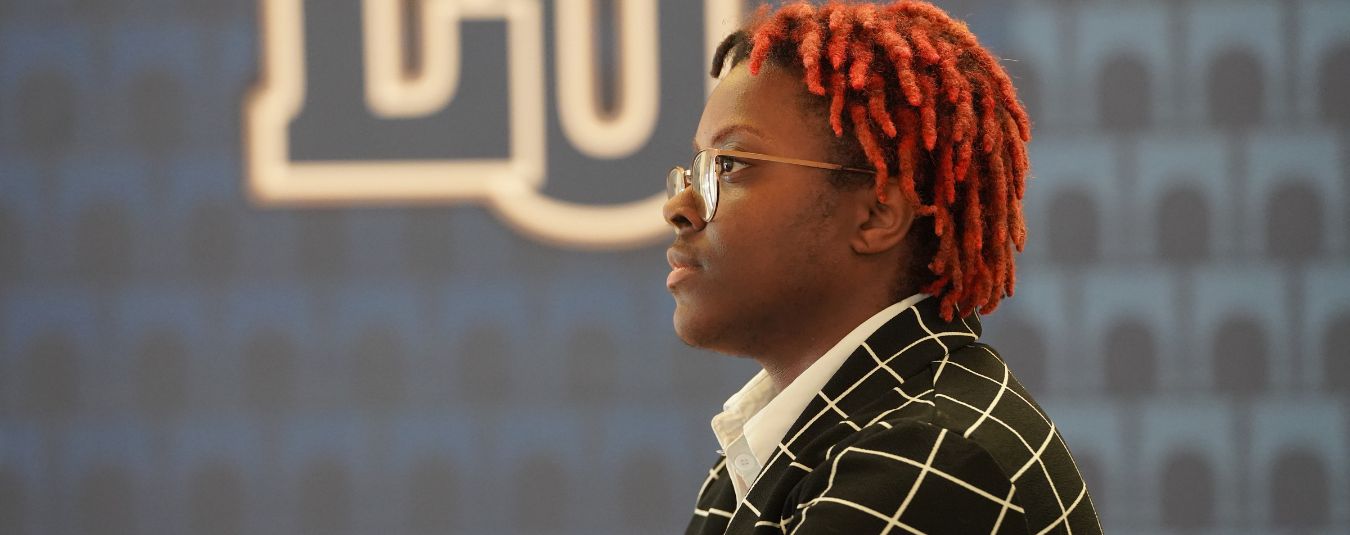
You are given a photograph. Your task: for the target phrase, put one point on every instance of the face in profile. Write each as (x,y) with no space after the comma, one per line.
(767,254)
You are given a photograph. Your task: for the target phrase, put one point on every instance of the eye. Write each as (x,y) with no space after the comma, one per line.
(727,165)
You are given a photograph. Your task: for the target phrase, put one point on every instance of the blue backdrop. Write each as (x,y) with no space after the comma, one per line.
(177,359)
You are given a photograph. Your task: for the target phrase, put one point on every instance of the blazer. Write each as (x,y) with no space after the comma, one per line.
(922,430)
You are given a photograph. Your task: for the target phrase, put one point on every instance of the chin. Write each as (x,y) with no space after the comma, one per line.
(681,321)
(692,328)
(704,332)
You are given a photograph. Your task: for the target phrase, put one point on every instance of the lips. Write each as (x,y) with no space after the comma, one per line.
(682,266)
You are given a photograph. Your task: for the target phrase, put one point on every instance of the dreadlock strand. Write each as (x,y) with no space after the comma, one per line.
(924,47)
(928,113)
(956,284)
(906,156)
(1018,226)
(964,151)
(901,57)
(1000,198)
(963,132)
(876,104)
(989,123)
(810,51)
(838,86)
(867,16)
(946,175)
(769,33)
(1019,159)
(953,81)
(860,65)
(1008,274)
(800,17)
(864,42)
(937,286)
(863,131)
(1019,233)
(1000,218)
(973,235)
(798,12)
(965,115)
(841,28)
(1014,226)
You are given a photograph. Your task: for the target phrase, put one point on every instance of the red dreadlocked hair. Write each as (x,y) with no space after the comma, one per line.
(922,98)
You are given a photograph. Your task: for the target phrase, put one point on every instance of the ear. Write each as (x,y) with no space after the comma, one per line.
(883,224)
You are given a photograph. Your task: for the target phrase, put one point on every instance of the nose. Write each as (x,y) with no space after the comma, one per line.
(681,212)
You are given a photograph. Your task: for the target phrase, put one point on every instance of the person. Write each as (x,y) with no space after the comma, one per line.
(853,206)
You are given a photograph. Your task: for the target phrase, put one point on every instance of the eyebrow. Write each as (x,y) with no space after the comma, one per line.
(727,131)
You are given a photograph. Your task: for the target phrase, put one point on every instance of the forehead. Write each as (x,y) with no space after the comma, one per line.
(766,109)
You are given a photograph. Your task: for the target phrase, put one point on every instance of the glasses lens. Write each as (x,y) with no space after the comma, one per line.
(706,176)
(674,181)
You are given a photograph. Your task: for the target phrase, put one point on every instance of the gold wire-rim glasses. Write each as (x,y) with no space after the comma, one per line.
(708,163)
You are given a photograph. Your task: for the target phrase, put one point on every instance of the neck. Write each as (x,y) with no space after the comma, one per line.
(798,344)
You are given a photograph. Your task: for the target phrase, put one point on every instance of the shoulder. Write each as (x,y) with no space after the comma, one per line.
(969,391)
(973,389)
(967,427)
(976,396)
(912,474)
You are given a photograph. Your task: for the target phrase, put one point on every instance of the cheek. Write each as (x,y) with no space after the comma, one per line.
(766,237)
(754,261)
(717,297)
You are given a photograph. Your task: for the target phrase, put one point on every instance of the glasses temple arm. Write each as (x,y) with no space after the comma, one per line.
(793,161)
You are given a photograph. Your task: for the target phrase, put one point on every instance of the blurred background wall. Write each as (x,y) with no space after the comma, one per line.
(176,358)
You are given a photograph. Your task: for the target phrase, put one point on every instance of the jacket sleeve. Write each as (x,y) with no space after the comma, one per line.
(911,476)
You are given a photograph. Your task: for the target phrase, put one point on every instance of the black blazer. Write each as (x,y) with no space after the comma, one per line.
(922,430)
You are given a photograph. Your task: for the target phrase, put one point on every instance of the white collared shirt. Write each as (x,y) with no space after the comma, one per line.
(755,419)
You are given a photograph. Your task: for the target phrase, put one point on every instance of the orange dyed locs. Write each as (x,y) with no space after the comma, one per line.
(953,112)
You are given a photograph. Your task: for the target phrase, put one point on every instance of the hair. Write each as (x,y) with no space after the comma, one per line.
(925,104)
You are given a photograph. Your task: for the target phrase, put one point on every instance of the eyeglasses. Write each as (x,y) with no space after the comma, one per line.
(710,167)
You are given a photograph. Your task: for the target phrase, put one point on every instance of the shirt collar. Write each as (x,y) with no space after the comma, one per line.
(761,415)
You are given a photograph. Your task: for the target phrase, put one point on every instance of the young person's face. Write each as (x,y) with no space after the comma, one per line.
(773,246)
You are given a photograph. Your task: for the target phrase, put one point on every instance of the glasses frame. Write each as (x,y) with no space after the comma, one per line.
(679,178)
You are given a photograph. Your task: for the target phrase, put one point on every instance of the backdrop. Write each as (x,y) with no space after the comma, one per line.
(335,297)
